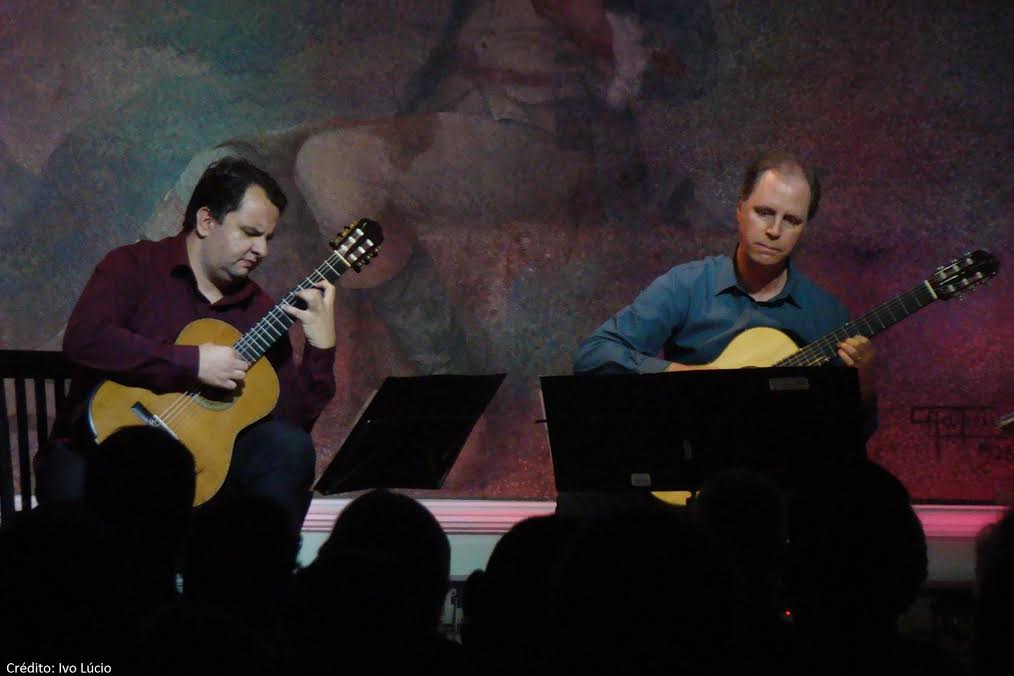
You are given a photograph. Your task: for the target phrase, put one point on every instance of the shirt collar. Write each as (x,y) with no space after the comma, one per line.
(725,280)
(725,275)
(791,290)
(178,251)
(179,262)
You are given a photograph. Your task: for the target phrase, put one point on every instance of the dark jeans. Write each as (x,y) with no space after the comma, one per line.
(273,458)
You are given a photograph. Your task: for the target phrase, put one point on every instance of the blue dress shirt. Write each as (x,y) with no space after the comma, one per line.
(692,312)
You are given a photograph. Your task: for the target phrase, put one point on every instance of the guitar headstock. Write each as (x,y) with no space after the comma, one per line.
(358,243)
(963,274)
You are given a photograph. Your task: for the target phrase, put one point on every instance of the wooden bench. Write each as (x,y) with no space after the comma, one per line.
(35,382)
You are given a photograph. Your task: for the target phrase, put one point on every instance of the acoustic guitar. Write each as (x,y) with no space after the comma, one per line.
(207,419)
(764,346)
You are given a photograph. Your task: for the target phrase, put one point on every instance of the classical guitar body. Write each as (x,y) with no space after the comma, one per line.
(206,419)
(207,424)
(757,347)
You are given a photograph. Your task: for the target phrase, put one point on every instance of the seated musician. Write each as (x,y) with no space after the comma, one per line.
(692,312)
(142,295)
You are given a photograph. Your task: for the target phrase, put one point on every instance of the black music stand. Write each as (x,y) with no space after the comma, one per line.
(674,431)
(410,433)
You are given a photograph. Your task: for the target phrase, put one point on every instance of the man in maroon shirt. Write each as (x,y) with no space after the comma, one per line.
(142,295)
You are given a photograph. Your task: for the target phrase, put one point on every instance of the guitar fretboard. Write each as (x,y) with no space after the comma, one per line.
(870,324)
(272,326)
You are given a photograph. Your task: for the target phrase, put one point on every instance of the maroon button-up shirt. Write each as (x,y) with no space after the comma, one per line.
(139,299)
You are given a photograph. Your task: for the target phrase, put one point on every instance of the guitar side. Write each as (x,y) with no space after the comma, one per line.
(207,423)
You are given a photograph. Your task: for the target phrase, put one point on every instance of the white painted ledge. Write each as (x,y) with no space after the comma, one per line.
(455,516)
(957,521)
(497,516)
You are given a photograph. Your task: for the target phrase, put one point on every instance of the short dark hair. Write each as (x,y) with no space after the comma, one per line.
(222,186)
(782,161)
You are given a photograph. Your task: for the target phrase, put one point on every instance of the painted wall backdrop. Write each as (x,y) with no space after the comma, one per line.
(109,109)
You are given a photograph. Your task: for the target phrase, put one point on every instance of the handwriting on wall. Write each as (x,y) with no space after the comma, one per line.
(965,424)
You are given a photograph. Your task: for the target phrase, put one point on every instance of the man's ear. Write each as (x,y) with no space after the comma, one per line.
(204,222)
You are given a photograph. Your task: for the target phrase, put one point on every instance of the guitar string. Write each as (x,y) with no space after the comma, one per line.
(813,353)
(180,406)
(820,347)
(920,295)
(185,402)
(824,343)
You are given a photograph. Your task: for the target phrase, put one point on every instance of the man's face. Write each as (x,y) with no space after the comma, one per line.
(771,219)
(234,247)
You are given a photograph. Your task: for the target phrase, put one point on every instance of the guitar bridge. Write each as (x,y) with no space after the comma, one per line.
(151,420)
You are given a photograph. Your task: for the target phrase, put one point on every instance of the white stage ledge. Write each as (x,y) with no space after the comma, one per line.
(491,517)
(957,521)
(497,516)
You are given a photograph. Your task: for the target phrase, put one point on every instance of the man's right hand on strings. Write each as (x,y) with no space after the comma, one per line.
(221,366)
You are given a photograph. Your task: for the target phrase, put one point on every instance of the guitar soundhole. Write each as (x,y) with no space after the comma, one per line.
(212,402)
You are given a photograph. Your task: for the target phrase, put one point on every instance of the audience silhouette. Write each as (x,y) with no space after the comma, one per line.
(241,556)
(508,606)
(60,574)
(644,593)
(140,482)
(746,579)
(993,644)
(855,562)
(741,510)
(387,558)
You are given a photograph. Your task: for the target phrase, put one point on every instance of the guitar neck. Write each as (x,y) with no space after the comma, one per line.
(272,326)
(870,324)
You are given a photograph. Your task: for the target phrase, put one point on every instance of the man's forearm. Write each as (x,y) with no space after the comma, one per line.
(131,358)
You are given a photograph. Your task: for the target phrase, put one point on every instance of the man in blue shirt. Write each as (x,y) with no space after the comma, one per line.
(692,312)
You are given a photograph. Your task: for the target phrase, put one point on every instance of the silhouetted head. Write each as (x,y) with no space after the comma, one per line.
(742,510)
(353,612)
(396,528)
(857,550)
(141,481)
(993,642)
(61,575)
(644,594)
(507,606)
(240,555)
